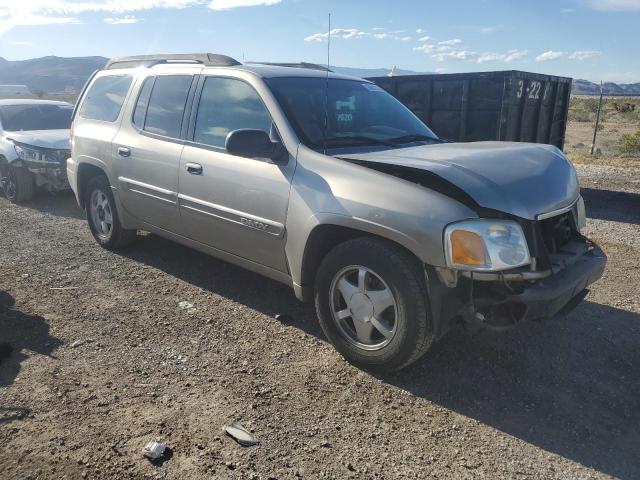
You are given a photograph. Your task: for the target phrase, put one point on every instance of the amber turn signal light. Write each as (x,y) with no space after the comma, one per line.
(467,248)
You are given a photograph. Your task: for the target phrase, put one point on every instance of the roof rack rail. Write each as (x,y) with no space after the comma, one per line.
(206,59)
(310,66)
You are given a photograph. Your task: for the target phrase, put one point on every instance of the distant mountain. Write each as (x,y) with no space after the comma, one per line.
(59,74)
(585,87)
(50,74)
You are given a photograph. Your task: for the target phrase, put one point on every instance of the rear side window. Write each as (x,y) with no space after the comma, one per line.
(166,105)
(227,104)
(105,97)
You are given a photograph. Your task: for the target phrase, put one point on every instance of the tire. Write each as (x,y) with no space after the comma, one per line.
(405,318)
(102,215)
(17,184)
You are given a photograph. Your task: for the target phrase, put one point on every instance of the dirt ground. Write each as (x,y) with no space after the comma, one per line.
(105,360)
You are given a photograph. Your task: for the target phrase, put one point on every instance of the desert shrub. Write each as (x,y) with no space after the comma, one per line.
(629,143)
(591,104)
(579,115)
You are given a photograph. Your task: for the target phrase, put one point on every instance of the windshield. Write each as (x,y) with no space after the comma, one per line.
(358,113)
(15,118)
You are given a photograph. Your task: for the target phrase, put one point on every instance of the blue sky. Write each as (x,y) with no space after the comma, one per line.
(592,39)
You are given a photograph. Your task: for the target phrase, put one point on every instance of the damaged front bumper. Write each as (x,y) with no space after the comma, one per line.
(52,176)
(499,301)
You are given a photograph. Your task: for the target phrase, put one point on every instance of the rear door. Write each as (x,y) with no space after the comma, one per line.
(147,149)
(237,205)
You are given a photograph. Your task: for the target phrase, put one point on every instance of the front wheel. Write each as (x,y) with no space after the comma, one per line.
(103,217)
(17,183)
(372,303)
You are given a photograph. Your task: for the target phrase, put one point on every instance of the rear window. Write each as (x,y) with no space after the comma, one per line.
(166,105)
(16,118)
(105,97)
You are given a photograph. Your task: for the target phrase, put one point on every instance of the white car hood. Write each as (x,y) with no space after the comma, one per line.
(55,139)
(522,179)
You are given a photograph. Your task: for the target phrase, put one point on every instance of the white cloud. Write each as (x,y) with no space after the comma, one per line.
(488,29)
(430,48)
(455,55)
(50,12)
(420,30)
(404,39)
(443,53)
(549,55)
(346,33)
(126,20)
(508,57)
(9,21)
(229,4)
(567,10)
(377,29)
(441,70)
(22,44)
(490,57)
(451,43)
(513,55)
(381,36)
(614,5)
(426,38)
(584,54)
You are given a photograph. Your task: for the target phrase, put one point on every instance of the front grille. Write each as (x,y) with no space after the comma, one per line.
(58,155)
(558,231)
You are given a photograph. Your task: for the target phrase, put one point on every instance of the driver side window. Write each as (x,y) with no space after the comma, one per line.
(227,104)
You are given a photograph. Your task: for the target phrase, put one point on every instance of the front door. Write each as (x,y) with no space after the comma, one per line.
(237,205)
(147,151)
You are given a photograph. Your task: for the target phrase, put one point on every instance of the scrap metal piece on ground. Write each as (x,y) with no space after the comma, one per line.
(154,450)
(240,435)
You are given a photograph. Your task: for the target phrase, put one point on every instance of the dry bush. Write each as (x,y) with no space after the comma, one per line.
(629,143)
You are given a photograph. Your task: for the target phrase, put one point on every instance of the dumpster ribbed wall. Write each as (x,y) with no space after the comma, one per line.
(513,106)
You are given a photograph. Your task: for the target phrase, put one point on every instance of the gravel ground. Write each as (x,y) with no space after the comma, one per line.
(105,360)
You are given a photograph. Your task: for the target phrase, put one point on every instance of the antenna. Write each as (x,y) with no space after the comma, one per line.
(326,91)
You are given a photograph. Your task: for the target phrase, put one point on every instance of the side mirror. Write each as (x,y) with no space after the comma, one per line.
(251,143)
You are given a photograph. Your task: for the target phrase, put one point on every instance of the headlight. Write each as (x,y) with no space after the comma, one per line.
(29,154)
(485,245)
(48,156)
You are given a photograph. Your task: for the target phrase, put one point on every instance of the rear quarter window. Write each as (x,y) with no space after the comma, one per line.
(105,98)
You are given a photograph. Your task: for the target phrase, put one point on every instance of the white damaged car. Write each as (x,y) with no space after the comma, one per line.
(34,146)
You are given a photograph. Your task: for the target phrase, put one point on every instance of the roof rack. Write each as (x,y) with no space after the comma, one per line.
(206,59)
(310,66)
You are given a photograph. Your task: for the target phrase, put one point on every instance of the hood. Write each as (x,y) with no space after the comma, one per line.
(55,139)
(521,179)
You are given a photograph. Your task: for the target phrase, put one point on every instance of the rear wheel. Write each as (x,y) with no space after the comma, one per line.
(371,299)
(103,217)
(17,183)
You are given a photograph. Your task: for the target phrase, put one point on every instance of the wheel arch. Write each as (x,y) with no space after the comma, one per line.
(325,236)
(86,171)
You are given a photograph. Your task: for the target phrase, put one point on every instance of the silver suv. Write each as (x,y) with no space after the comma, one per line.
(330,185)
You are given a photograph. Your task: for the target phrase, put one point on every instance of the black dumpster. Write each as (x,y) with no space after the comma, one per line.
(466,107)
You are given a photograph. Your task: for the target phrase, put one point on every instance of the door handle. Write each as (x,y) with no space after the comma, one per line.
(124,151)
(194,168)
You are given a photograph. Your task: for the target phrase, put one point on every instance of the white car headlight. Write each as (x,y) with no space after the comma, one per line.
(485,245)
(28,154)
